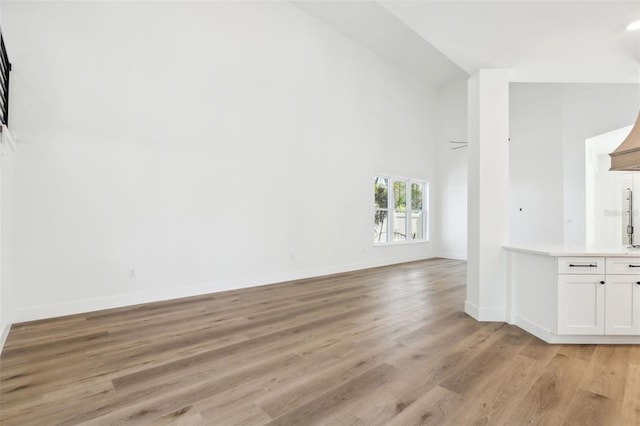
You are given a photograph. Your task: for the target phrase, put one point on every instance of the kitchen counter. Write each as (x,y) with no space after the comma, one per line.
(563,250)
(569,294)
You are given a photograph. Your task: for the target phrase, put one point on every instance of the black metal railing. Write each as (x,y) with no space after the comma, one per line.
(5,69)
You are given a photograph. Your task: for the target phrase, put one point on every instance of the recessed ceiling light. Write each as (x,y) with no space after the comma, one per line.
(634,26)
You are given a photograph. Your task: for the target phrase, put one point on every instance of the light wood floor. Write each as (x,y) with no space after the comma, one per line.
(381,346)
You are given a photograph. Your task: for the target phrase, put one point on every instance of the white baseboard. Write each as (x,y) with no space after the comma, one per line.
(549,337)
(455,256)
(493,314)
(73,307)
(4,332)
(533,328)
(32,313)
(472,310)
(484,314)
(595,340)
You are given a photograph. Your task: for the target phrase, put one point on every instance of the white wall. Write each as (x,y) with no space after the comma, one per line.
(549,125)
(535,164)
(7,155)
(6,183)
(452,171)
(208,145)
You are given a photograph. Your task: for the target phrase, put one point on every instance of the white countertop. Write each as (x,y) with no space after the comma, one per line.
(562,250)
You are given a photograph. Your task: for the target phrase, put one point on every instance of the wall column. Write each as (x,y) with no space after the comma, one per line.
(488,185)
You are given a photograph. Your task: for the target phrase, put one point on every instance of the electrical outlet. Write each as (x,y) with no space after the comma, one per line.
(132,273)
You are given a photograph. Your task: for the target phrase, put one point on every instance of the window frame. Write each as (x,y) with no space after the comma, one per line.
(391,208)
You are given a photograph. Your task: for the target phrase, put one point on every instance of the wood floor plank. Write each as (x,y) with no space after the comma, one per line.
(607,371)
(468,381)
(309,387)
(591,409)
(186,416)
(315,411)
(583,352)
(170,398)
(407,386)
(548,400)
(634,354)
(500,393)
(630,411)
(243,414)
(432,408)
(539,350)
(293,385)
(423,370)
(225,357)
(388,345)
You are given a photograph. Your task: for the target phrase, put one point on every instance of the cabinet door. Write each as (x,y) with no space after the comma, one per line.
(581,304)
(622,313)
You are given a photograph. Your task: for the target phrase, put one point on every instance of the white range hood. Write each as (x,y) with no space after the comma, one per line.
(626,157)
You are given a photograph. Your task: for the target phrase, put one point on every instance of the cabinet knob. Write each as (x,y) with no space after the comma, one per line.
(638,282)
(602,282)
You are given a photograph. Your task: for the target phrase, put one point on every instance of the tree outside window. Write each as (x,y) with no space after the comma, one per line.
(381,198)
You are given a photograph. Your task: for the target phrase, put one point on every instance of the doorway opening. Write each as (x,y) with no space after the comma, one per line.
(612,198)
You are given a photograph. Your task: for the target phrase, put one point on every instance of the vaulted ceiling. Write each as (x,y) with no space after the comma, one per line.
(539,41)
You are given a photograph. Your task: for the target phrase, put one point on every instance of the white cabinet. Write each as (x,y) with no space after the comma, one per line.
(623,266)
(622,296)
(581,304)
(622,304)
(581,265)
(591,302)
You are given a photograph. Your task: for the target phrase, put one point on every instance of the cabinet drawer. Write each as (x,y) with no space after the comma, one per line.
(581,265)
(623,265)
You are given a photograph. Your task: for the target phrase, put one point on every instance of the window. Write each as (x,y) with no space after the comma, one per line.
(417,211)
(381,222)
(399,210)
(400,214)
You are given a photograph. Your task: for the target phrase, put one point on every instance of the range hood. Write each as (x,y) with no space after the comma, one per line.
(627,156)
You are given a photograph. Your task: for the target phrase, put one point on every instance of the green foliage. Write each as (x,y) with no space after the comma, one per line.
(381,196)
(400,195)
(416,196)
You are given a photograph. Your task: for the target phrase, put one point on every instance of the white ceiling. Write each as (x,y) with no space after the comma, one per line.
(539,41)
(371,25)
